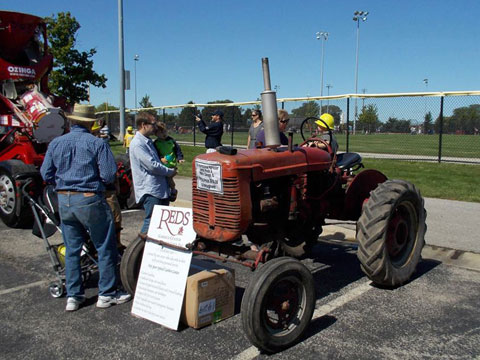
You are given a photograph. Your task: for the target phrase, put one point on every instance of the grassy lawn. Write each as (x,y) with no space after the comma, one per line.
(445,181)
(405,144)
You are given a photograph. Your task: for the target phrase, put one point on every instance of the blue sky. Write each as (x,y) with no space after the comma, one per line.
(209,50)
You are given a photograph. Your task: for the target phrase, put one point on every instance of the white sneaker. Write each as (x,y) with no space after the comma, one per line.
(73,303)
(119,298)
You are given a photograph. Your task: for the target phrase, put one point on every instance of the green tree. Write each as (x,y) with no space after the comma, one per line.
(333,110)
(394,125)
(105,106)
(72,70)
(368,119)
(146,103)
(186,116)
(308,109)
(427,123)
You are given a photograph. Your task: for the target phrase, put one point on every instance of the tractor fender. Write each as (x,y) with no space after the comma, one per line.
(359,191)
(18,168)
(20,171)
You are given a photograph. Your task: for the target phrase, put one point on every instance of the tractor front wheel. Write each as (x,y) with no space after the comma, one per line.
(390,233)
(278,304)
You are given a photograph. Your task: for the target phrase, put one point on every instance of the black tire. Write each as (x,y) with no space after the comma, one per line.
(390,233)
(130,264)
(9,198)
(300,239)
(279,283)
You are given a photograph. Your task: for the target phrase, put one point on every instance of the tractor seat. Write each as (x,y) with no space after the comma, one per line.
(348,160)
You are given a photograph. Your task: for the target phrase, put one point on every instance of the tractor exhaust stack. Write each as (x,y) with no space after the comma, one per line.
(269,109)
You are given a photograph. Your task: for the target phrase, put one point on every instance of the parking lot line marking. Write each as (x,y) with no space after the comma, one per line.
(323,310)
(21,287)
(341,300)
(251,353)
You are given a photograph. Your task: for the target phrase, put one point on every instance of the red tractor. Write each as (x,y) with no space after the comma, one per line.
(279,197)
(30,117)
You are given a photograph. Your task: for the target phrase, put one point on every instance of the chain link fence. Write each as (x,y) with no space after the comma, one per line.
(418,126)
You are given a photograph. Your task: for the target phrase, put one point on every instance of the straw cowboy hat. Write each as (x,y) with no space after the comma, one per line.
(85,113)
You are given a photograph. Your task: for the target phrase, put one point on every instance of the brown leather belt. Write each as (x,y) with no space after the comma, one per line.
(70,192)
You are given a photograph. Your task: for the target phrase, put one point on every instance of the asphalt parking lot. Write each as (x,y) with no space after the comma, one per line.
(436,315)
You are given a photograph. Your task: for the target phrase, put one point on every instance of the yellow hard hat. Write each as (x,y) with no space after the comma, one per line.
(328,119)
(95,126)
(129,128)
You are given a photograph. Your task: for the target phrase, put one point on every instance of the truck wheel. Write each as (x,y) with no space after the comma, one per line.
(390,233)
(9,199)
(130,264)
(278,304)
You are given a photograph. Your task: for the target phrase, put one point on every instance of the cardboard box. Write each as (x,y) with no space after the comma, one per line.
(209,295)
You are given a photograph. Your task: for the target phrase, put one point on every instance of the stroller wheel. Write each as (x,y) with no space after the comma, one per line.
(56,289)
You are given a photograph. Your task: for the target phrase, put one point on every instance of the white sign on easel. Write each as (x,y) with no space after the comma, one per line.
(164,271)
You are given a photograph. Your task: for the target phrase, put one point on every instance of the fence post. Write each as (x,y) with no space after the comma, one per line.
(194,125)
(348,125)
(163,111)
(232,128)
(441,131)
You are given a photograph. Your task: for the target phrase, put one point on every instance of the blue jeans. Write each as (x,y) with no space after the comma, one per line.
(80,213)
(148,202)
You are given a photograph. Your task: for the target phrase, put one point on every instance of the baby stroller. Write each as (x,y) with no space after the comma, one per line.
(46,223)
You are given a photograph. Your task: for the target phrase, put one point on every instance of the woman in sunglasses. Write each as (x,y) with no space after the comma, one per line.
(283,120)
(255,127)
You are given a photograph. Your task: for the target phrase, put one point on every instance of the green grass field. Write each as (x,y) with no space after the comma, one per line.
(467,146)
(445,180)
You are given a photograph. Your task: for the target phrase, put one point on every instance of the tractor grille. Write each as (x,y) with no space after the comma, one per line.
(225,209)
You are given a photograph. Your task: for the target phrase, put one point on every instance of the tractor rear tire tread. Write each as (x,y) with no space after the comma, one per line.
(372,231)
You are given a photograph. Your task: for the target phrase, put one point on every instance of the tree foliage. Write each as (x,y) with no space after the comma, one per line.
(105,107)
(427,123)
(333,110)
(464,120)
(394,125)
(146,103)
(368,119)
(72,69)
(308,109)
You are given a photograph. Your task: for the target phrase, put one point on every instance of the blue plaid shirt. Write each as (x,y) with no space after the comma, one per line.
(79,161)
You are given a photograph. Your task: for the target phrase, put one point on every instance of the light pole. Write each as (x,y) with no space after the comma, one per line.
(322,35)
(136,58)
(357,16)
(328,86)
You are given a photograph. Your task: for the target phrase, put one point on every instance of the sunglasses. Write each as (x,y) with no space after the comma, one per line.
(285,121)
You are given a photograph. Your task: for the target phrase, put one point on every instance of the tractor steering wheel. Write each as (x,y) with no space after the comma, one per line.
(309,133)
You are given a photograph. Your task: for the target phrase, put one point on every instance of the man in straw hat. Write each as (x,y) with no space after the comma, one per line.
(80,166)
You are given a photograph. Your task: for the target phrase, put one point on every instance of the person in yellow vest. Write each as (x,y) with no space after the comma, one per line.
(127,139)
(169,153)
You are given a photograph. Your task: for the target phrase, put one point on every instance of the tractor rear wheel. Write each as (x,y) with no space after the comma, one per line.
(390,233)
(130,264)
(278,304)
